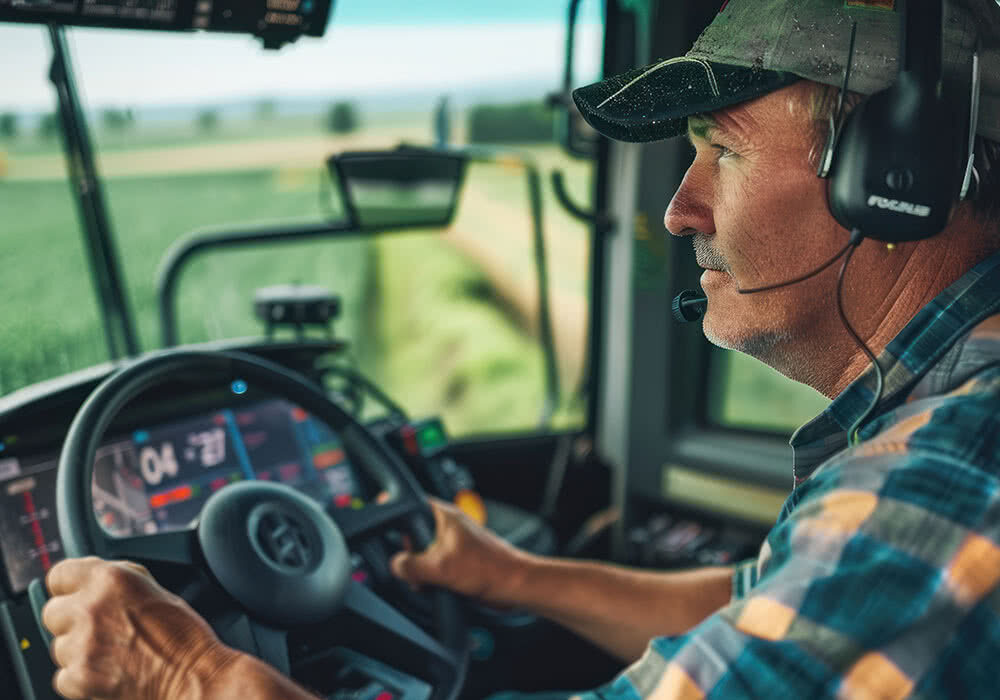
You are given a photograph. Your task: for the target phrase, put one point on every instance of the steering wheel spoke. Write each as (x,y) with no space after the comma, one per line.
(369,625)
(364,610)
(242,632)
(171,547)
(358,526)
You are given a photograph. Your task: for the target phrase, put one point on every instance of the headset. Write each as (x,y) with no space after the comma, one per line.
(897,165)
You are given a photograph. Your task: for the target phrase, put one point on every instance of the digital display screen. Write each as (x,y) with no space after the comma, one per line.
(30,535)
(156,10)
(158,478)
(148,10)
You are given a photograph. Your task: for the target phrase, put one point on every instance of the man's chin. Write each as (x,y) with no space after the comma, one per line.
(758,343)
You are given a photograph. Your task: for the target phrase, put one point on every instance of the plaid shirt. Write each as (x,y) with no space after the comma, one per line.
(881,577)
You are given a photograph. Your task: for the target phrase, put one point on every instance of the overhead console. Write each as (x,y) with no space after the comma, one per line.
(276,22)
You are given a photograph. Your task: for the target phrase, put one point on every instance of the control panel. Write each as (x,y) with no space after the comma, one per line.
(276,21)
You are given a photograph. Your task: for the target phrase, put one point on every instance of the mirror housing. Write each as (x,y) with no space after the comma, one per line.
(405,188)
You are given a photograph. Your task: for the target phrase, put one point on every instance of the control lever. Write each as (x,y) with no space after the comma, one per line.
(38,596)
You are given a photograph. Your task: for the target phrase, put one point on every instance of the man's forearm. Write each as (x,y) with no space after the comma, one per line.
(618,608)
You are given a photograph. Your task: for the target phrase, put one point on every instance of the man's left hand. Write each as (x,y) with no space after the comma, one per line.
(120,636)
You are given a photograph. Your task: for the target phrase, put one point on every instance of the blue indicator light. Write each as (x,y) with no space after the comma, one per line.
(307,6)
(3,447)
(140,436)
(239,386)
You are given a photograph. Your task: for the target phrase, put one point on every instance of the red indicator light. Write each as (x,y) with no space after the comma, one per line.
(385,695)
(409,436)
(219,419)
(359,576)
(342,500)
(298,415)
(177,495)
(218,484)
(322,460)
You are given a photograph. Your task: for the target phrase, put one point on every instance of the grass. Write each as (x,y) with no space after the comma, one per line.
(469,359)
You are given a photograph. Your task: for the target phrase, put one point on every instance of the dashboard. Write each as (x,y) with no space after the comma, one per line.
(155,477)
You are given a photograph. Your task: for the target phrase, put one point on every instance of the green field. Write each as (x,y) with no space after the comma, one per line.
(445,321)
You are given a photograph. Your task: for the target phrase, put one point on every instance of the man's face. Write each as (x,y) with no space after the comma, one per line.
(758,216)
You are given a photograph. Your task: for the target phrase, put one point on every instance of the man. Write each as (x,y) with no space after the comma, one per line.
(881,577)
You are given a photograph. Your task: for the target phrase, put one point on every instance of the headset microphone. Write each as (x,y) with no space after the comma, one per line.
(688,306)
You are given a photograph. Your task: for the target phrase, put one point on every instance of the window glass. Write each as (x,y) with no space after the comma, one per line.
(745,393)
(50,323)
(207,132)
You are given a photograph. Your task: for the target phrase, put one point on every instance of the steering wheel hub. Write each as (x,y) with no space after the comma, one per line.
(275,552)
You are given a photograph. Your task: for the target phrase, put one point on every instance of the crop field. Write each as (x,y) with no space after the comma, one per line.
(446,321)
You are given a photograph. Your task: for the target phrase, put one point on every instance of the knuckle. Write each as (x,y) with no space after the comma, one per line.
(92,682)
(112,576)
(59,651)
(67,684)
(50,615)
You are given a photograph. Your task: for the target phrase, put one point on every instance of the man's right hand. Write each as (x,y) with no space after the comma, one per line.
(466,558)
(617,608)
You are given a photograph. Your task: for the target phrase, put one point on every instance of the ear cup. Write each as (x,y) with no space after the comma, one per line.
(897,163)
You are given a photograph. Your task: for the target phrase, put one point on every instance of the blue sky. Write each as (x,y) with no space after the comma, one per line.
(412,12)
(371,47)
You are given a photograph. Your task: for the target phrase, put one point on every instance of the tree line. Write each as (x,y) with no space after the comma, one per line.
(522,122)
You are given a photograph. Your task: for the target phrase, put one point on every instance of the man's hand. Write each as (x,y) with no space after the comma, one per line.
(465,558)
(617,608)
(120,636)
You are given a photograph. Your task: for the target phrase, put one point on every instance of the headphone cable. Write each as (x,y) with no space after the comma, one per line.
(806,276)
(852,433)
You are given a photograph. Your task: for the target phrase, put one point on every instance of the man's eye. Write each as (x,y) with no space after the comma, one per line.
(724,152)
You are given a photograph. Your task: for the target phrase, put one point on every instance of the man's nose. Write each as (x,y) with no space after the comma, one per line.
(689,211)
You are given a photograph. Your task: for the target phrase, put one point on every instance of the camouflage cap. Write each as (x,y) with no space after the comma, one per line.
(756,46)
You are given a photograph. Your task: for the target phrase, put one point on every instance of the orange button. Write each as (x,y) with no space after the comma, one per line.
(470,503)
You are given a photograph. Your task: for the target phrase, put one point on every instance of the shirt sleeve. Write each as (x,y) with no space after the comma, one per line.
(862,591)
(744,578)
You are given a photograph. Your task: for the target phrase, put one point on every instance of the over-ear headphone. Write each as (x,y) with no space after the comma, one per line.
(897,165)
(902,158)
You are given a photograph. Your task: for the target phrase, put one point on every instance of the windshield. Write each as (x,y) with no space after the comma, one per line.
(198,132)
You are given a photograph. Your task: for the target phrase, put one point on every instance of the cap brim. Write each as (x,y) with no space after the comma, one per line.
(653,103)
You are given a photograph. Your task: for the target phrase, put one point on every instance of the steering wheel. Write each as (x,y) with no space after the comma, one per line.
(274,562)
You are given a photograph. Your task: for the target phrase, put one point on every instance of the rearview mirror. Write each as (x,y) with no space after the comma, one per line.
(405,188)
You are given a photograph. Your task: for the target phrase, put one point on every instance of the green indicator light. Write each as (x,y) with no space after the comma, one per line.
(234,477)
(431,436)
(195,491)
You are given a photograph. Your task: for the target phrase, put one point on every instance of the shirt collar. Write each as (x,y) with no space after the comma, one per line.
(923,342)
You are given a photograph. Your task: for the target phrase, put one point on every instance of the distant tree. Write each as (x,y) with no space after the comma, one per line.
(48,126)
(8,125)
(208,120)
(522,122)
(343,118)
(118,119)
(266,109)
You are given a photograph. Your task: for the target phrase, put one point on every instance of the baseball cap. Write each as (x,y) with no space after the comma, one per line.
(754,47)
